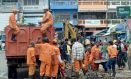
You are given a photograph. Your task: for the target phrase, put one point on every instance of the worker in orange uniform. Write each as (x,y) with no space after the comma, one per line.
(47,25)
(95,55)
(87,60)
(57,59)
(31,60)
(46,57)
(113,52)
(13,25)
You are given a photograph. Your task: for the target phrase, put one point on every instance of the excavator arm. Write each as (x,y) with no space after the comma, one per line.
(68,28)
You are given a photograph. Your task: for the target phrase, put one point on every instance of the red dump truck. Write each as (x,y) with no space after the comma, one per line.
(16,51)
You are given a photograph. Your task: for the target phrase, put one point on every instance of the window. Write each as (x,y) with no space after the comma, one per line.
(31,2)
(116,3)
(10,0)
(124,3)
(92,15)
(61,17)
(112,15)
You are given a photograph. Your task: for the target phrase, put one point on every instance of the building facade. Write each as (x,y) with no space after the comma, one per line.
(92,14)
(113,19)
(63,10)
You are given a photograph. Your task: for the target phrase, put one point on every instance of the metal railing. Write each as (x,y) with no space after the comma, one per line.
(115,21)
(72,3)
(102,21)
(92,2)
(118,2)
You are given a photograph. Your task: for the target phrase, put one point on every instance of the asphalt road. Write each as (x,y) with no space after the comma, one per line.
(3,66)
(123,74)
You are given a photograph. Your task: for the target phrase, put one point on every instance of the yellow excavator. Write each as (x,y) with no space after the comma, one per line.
(69,30)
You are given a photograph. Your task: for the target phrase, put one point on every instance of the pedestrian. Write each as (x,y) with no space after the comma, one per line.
(47,28)
(104,55)
(121,55)
(78,55)
(31,60)
(46,57)
(129,56)
(13,25)
(57,60)
(69,52)
(112,51)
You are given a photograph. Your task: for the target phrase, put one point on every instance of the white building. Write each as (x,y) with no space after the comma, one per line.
(33,10)
(30,10)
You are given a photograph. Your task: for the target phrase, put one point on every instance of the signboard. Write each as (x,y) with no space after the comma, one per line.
(123,11)
(92,22)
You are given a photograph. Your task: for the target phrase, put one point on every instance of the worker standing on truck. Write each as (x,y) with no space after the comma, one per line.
(47,25)
(31,60)
(46,57)
(13,25)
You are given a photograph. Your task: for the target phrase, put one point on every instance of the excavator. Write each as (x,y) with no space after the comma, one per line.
(69,30)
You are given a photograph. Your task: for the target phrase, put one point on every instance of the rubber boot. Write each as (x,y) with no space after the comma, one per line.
(53,77)
(109,71)
(13,37)
(114,74)
(41,77)
(46,77)
(31,77)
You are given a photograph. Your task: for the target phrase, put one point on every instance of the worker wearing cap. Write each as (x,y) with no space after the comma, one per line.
(13,24)
(31,60)
(57,59)
(95,55)
(47,25)
(46,58)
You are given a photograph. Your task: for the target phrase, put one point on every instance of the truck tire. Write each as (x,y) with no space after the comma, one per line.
(12,72)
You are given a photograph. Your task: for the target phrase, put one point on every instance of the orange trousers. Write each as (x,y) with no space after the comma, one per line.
(77,65)
(48,30)
(45,69)
(31,69)
(15,30)
(54,70)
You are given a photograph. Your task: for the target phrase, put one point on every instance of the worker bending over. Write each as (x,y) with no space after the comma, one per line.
(31,60)
(95,55)
(47,25)
(46,57)
(13,24)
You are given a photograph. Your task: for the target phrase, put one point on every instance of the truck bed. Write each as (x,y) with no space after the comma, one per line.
(25,36)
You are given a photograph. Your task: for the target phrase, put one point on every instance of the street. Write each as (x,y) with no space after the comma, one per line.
(121,74)
(3,66)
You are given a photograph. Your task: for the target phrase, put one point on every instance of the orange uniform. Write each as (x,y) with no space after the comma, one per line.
(56,61)
(31,60)
(13,24)
(86,60)
(46,53)
(112,51)
(47,25)
(95,55)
